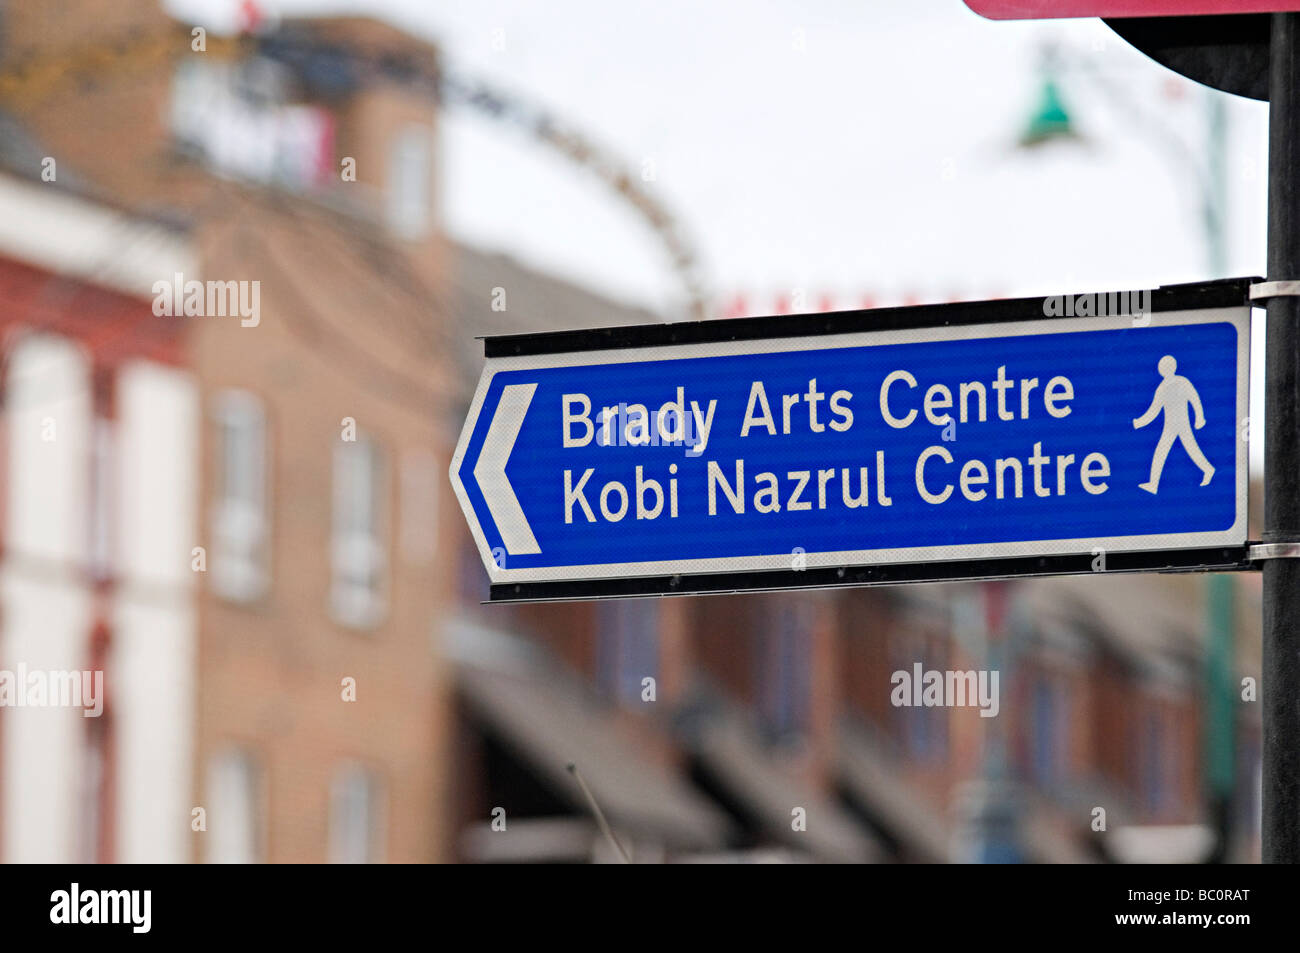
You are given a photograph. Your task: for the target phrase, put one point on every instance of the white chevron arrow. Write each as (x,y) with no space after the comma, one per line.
(490,471)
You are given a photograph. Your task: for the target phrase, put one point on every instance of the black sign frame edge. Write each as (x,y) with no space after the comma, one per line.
(1212,559)
(1223,293)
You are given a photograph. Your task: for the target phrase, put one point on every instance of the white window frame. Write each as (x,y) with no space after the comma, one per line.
(409,187)
(234,814)
(240,516)
(357,823)
(359,562)
(626,629)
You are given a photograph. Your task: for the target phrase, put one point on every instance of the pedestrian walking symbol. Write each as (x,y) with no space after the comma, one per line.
(1173,395)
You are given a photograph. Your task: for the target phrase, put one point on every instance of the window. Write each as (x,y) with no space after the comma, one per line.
(410,179)
(925,731)
(240,523)
(234,809)
(1048,738)
(784,675)
(922,731)
(356,822)
(235,118)
(359,555)
(628,648)
(1160,757)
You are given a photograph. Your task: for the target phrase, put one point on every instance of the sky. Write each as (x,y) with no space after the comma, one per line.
(839,148)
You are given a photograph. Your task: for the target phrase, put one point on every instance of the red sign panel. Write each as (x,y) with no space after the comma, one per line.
(1057,9)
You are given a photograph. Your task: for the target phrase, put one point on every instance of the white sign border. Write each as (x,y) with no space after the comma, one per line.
(1238,316)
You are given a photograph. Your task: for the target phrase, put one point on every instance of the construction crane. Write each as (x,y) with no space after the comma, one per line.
(49,74)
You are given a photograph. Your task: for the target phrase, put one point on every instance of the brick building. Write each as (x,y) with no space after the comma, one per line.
(298,167)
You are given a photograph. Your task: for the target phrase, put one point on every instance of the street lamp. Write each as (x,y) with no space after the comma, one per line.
(1050,121)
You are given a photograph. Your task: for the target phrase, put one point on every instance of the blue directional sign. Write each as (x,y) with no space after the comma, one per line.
(1087,435)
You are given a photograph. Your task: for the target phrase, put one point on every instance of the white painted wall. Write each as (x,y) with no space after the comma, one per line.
(46,613)
(49,420)
(157,476)
(45,626)
(46,609)
(54,229)
(152,673)
(153,665)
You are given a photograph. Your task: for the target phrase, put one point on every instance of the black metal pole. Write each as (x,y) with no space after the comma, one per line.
(1281,684)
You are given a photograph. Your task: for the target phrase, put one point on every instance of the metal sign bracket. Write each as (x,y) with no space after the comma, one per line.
(1258,552)
(1274,289)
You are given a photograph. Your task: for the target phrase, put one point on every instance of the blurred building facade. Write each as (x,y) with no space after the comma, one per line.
(99,454)
(283,477)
